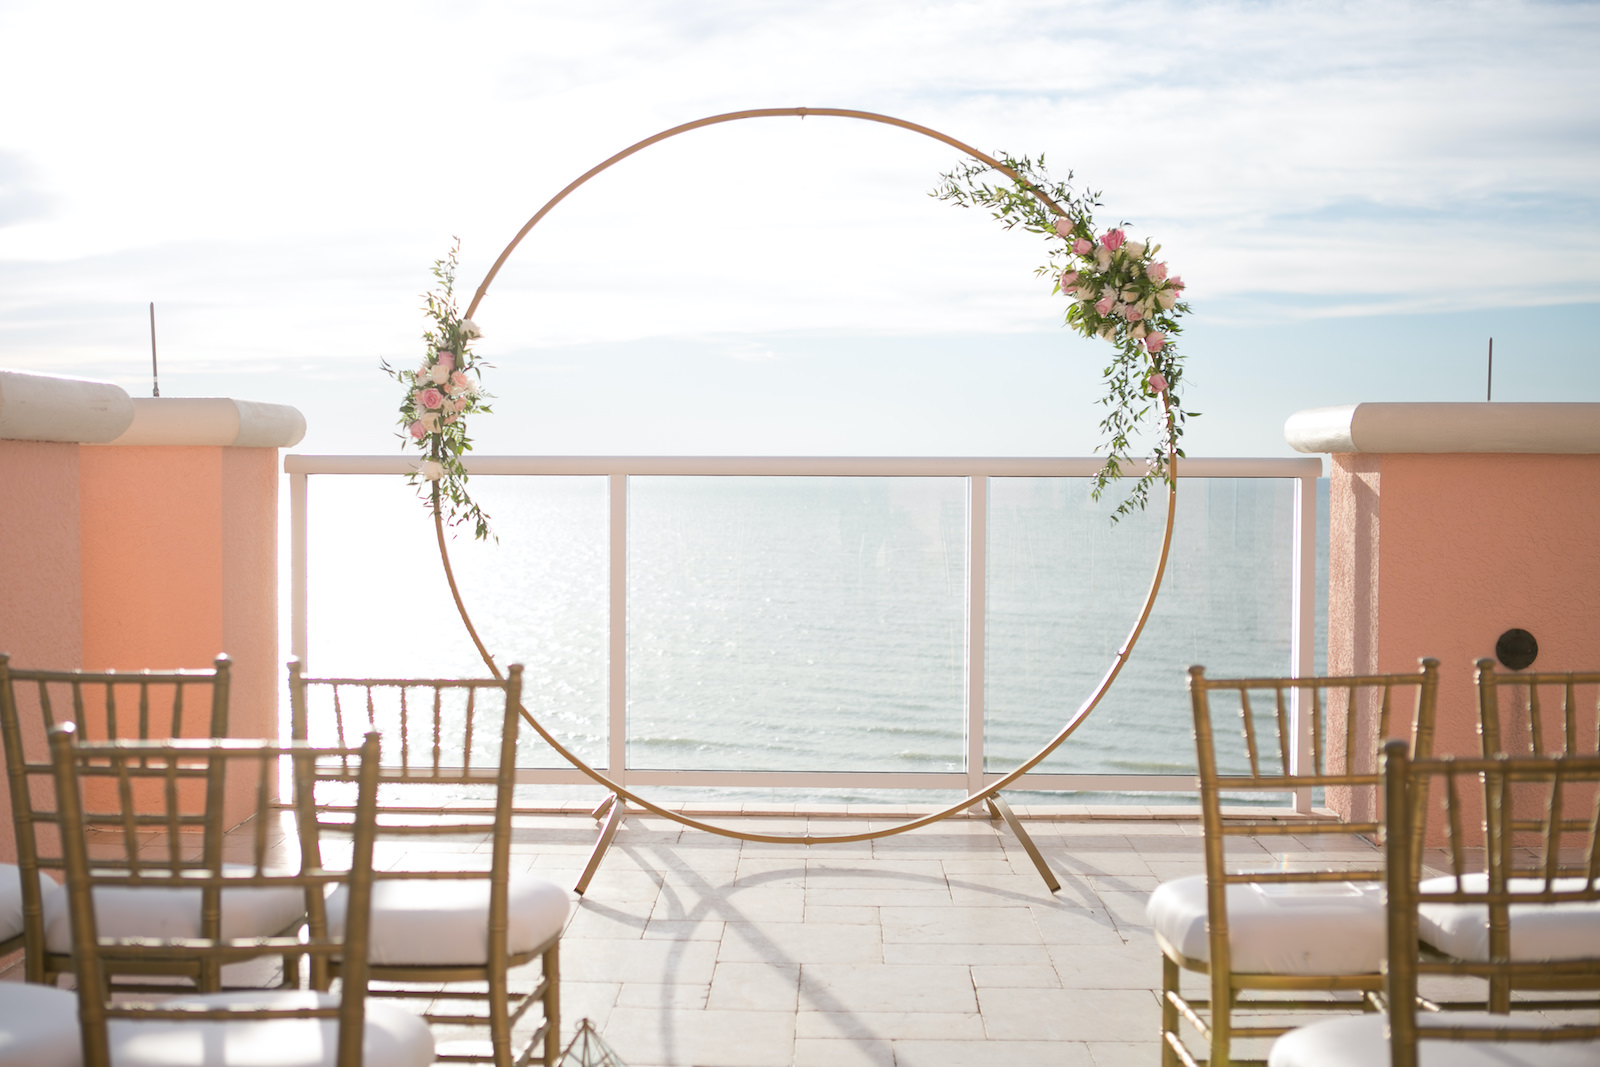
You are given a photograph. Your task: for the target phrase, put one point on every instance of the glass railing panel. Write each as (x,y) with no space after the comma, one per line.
(1065,586)
(379,604)
(796,623)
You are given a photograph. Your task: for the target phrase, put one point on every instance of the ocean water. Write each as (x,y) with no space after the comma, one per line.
(818,624)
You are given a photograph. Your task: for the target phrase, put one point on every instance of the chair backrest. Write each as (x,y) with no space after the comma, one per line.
(1349,718)
(449,761)
(1538,713)
(1547,863)
(157,843)
(110,705)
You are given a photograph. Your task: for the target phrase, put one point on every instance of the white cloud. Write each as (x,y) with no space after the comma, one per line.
(280,177)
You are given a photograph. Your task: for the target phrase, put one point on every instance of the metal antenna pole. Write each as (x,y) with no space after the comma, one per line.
(155,376)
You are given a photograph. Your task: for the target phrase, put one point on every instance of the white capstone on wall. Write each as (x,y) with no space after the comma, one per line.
(208,420)
(1548,429)
(46,407)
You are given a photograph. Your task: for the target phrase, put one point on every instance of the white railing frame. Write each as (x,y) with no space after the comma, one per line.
(977,472)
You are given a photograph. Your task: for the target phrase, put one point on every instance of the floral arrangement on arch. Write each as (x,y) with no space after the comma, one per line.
(1119,292)
(440,394)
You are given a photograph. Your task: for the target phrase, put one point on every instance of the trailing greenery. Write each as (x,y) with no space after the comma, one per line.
(1118,292)
(440,394)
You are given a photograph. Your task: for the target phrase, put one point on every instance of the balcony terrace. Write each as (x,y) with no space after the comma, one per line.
(942,945)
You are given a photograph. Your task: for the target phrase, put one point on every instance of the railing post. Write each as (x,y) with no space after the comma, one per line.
(1303,621)
(617,660)
(977,617)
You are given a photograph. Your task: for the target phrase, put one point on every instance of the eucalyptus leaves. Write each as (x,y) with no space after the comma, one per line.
(1119,292)
(440,394)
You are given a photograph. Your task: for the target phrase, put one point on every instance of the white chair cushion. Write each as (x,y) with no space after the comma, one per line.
(1298,928)
(1538,931)
(38,1026)
(164,913)
(11,898)
(436,921)
(394,1036)
(1363,1041)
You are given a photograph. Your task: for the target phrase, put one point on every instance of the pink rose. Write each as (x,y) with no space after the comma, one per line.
(430,398)
(1069,281)
(1158,384)
(1083,246)
(1175,282)
(1155,343)
(1157,272)
(417,430)
(459,382)
(447,360)
(1064,227)
(1132,313)
(1103,307)
(1113,239)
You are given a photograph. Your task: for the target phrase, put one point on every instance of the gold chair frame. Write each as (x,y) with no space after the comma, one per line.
(31,779)
(503,1007)
(171,767)
(1212,1017)
(1557,844)
(1575,732)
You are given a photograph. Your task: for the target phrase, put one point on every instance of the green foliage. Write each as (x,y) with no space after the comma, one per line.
(1118,292)
(440,394)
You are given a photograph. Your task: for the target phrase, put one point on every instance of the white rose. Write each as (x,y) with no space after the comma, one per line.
(1106,332)
(430,421)
(1166,298)
(1102,256)
(1135,249)
(432,469)
(469,329)
(1138,330)
(439,374)
(1128,296)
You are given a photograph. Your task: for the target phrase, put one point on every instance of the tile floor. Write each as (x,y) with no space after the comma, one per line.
(938,946)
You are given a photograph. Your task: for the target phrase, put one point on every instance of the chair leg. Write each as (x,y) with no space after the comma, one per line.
(552,1005)
(500,1019)
(1221,1019)
(1169,1011)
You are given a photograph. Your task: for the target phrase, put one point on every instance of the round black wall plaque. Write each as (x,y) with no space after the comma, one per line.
(1516,649)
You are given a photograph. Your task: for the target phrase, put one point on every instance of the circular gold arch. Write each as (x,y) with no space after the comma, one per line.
(990,792)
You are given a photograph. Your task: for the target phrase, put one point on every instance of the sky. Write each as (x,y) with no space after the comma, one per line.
(1359,196)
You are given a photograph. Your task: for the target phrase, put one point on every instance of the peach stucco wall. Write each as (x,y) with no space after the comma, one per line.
(1439,554)
(180,565)
(41,604)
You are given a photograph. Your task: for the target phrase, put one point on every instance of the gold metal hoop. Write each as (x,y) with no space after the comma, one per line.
(991,793)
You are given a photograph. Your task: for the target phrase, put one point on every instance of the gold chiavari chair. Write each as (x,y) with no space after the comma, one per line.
(107,705)
(449,771)
(1527,713)
(1519,866)
(142,800)
(1274,938)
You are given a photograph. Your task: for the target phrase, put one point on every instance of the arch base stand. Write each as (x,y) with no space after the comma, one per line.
(613,809)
